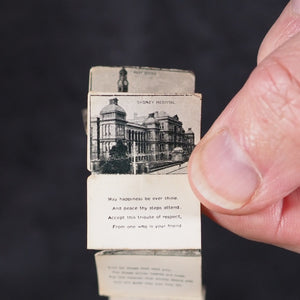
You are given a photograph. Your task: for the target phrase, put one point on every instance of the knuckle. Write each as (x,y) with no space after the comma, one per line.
(277,90)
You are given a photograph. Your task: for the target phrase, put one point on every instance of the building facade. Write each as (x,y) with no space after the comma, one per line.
(152,138)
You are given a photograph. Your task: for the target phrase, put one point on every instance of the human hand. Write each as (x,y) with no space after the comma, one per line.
(246,169)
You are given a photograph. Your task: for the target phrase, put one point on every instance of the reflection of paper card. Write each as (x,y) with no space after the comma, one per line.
(142,133)
(150,276)
(142,212)
(141,80)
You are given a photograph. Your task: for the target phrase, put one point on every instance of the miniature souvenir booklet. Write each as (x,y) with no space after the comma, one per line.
(142,125)
(138,149)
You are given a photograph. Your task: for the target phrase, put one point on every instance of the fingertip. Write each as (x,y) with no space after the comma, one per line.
(221,174)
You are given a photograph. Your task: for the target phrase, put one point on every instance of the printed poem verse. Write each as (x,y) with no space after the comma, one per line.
(142,212)
(145,213)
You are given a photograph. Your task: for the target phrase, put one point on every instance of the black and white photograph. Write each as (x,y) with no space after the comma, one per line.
(136,134)
(138,79)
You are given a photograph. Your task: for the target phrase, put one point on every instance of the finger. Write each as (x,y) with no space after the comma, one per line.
(277,225)
(250,158)
(287,25)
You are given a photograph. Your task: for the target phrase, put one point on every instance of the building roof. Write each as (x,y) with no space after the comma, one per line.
(123,72)
(160,114)
(151,119)
(190,131)
(113,106)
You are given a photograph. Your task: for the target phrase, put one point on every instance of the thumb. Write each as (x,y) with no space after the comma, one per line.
(250,158)
(287,25)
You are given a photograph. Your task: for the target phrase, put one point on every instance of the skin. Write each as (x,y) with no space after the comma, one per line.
(263,119)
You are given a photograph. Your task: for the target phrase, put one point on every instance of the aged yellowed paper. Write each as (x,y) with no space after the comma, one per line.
(142,212)
(149,276)
(141,80)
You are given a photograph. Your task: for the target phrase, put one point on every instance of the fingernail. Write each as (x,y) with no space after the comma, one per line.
(296,6)
(223,173)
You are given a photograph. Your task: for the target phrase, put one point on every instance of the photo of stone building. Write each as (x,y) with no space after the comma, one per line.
(142,144)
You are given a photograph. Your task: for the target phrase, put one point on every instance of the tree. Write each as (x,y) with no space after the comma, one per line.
(118,151)
(118,162)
